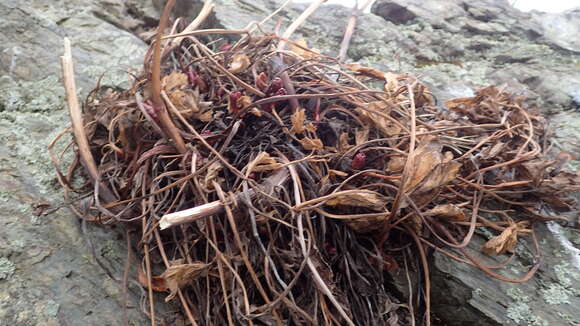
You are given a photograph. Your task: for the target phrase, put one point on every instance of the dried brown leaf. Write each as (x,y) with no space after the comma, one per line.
(506,241)
(297,119)
(158,283)
(240,62)
(311,144)
(343,144)
(185,101)
(337,173)
(263,162)
(207,116)
(301,48)
(442,175)
(396,164)
(178,276)
(175,80)
(311,127)
(448,211)
(376,114)
(366,71)
(367,224)
(361,136)
(427,157)
(360,198)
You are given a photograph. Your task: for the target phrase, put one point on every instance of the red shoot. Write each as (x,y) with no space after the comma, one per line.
(275,85)
(192,77)
(234,97)
(359,161)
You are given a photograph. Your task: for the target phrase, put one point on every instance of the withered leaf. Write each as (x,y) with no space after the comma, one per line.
(207,116)
(377,114)
(361,136)
(396,163)
(263,162)
(431,169)
(427,157)
(506,241)
(366,71)
(311,144)
(442,175)
(297,119)
(343,141)
(175,80)
(448,211)
(301,48)
(158,283)
(311,127)
(367,224)
(360,198)
(185,101)
(178,276)
(240,62)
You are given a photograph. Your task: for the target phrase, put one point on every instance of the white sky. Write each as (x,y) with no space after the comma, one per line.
(524,5)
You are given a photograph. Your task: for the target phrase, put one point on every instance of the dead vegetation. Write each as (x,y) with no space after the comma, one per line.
(276,187)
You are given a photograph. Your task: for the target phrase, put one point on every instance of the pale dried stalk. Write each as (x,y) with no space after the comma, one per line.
(301,19)
(350,29)
(216,207)
(76,119)
(201,17)
(315,274)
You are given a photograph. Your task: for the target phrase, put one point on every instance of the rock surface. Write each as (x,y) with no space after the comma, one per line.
(49,273)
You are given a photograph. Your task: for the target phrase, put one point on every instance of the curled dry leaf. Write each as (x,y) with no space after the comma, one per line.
(343,144)
(377,114)
(178,276)
(360,198)
(427,157)
(173,81)
(263,162)
(451,211)
(297,119)
(310,144)
(301,48)
(396,164)
(506,241)
(240,62)
(185,101)
(158,283)
(366,71)
(361,136)
(368,224)
(431,169)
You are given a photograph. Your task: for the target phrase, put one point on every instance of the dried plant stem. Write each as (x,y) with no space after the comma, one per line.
(299,21)
(78,126)
(216,207)
(201,17)
(204,32)
(350,26)
(315,275)
(164,117)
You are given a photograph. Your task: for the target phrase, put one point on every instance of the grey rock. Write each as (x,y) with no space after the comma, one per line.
(463,295)
(561,29)
(54,270)
(48,273)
